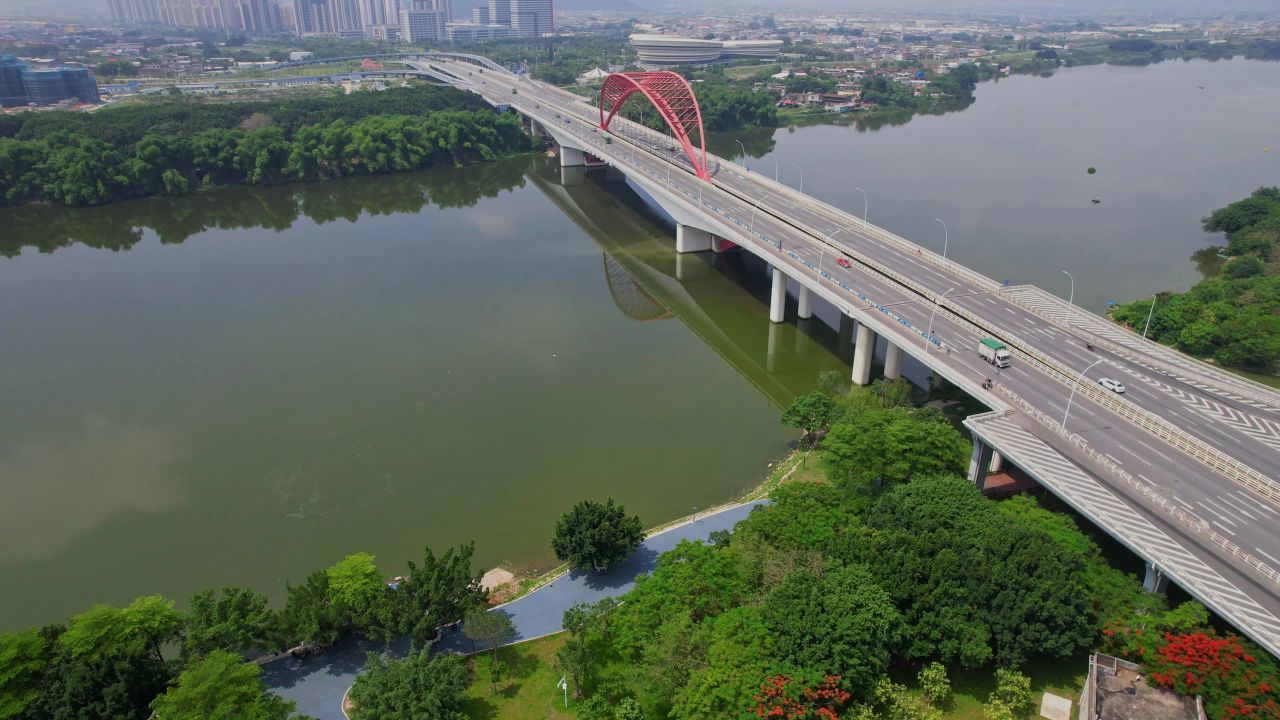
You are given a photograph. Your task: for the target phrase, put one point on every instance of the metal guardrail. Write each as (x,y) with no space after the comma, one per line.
(1204,453)
(1190,520)
(1159,427)
(1151,354)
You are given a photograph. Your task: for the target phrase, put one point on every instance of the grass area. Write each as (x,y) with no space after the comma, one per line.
(528,692)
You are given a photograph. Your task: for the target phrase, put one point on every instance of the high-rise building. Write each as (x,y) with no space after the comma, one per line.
(378,13)
(475,31)
(419,22)
(48,86)
(500,12)
(346,14)
(480,15)
(12,92)
(315,17)
(530,18)
(260,16)
(134,12)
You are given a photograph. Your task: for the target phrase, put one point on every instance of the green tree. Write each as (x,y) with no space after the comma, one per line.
(310,615)
(1244,266)
(143,626)
(419,687)
(355,583)
(879,447)
(220,686)
(1012,693)
(935,684)
(235,620)
(839,623)
(490,629)
(436,593)
(25,660)
(811,413)
(594,535)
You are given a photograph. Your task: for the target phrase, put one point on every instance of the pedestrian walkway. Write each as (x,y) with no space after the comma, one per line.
(318,683)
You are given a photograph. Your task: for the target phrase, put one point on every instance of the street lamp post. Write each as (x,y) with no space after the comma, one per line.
(946,237)
(1071,299)
(797,167)
(864,203)
(929,333)
(751,228)
(775,168)
(1150,312)
(823,252)
(1073,393)
(744,154)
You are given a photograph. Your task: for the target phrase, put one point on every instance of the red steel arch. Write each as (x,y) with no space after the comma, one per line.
(671,95)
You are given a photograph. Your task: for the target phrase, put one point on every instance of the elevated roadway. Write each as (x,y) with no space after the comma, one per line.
(1182,468)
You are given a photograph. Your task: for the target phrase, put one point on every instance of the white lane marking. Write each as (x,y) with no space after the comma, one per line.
(993,302)
(1223,528)
(1011,312)
(1182,502)
(1146,479)
(1225,434)
(1219,506)
(1114,459)
(1157,452)
(1255,503)
(1236,507)
(1267,555)
(1133,455)
(1210,510)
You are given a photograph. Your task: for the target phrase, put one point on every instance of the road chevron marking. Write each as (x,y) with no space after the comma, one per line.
(1099,503)
(1263,430)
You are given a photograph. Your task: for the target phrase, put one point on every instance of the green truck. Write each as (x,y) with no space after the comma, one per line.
(994,352)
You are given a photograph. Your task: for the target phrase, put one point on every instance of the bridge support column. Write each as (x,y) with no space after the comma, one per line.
(778,296)
(691,239)
(979,461)
(863,352)
(892,360)
(572,157)
(1154,581)
(806,303)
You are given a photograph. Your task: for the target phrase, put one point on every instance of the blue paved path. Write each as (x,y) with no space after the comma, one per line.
(317,683)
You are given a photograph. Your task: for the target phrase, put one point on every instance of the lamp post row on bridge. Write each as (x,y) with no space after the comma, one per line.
(929,333)
(1072,396)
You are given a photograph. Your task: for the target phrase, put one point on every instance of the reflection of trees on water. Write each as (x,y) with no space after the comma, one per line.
(120,226)
(631,299)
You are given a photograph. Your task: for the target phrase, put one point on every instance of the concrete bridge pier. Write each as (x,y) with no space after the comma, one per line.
(778,295)
(863,352)
(572,157)
(691,239)
(805,298)
(892,360)
(979,462)
(1154,580)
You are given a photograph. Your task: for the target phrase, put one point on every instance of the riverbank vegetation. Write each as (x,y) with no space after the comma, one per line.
(888,588)
(1233,317)
(176,147)
(149,657)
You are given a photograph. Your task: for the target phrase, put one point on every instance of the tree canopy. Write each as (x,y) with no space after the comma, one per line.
(1234,317)
(419,687)
(596,535)
(221,686)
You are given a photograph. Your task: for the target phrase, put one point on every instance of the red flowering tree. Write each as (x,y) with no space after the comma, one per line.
(781,697)
(1232,682)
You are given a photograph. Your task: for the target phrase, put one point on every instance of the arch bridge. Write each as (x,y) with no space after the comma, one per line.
(674,100)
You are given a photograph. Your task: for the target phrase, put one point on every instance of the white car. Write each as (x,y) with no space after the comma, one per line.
(1114,386)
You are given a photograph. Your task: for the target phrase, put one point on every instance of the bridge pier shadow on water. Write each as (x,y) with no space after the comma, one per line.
(722,297)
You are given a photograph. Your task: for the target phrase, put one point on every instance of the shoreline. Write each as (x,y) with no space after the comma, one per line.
(780,473)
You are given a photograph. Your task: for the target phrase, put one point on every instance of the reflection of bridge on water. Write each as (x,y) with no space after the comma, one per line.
(631,299)
(649,281)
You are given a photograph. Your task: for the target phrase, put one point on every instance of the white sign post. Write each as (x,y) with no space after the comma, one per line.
(564,685)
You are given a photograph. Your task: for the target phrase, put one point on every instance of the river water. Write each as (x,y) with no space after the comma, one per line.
(244,386)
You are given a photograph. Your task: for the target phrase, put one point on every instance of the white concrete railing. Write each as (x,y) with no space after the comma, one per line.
(1162,429)
(1187,519)
(1159,427)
